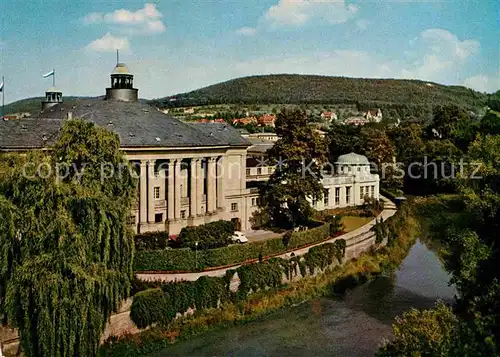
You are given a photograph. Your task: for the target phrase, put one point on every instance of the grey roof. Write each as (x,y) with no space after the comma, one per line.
(28,133)
(352,159)
(224,132)
(137,124)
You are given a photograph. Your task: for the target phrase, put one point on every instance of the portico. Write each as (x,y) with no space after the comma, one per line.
(178,191)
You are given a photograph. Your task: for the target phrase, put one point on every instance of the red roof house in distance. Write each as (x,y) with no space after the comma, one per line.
(329,116)
(267,120)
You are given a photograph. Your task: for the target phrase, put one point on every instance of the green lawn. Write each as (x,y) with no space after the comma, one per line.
(353,222)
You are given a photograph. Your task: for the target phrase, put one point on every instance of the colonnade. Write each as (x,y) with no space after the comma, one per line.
(203,198)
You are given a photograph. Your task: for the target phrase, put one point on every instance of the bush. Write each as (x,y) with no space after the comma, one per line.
(161,304)
(310,236)
(259,276)
(188,260)
(151,240)
(151,306)
(211,235)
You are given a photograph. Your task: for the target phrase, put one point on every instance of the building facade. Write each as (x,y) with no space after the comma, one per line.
(189,174)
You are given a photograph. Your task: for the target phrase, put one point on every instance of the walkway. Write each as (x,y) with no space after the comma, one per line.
(351,238)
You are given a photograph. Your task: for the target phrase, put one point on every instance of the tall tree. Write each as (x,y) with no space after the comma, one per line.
(65,244)
(299,154)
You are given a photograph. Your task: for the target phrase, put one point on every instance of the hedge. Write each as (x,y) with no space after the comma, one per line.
(160,305)
(189,260)
(151,240)
(208,236)
(151,306)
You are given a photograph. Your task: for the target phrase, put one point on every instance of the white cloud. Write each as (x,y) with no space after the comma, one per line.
(437,54)
(146,20)
(484,83)
(444,41)
(247,31)
(109,43)
(298,12)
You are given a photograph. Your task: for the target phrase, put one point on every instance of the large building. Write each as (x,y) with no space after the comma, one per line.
(190,174)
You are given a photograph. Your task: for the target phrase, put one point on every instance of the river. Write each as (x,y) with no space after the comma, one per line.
(353,325)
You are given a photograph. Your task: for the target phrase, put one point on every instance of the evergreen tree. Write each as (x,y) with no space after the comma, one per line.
(66,250)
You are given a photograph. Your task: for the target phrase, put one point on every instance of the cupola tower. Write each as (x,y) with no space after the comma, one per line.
(122,84)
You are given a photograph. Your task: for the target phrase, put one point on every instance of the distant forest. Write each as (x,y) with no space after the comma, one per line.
(405,99)
(309,89)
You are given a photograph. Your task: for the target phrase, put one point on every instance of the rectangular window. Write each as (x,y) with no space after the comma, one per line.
(337,196)
(372,191)
(259,171)
(158,217)
(156,170)
(183,214)
(248,172)
(348,195)
(361,193)
(234,207)
(325,197)
(156,192)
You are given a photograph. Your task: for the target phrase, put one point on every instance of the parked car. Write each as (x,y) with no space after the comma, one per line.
(239,238)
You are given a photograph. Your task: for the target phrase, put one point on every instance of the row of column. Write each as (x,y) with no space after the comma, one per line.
(214,189)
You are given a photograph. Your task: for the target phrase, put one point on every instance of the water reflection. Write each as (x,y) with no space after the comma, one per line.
(349,326)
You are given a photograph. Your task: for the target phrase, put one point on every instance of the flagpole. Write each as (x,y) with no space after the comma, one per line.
(54,78)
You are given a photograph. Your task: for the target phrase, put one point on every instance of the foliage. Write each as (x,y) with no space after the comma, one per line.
(208,236)
(255,277)
(300,152)
(422,333)
(186,259)
(151,240)
(392,95)
(336,225)
(490,123)
(66,247)
(160,305)
(149,307)
(267,300)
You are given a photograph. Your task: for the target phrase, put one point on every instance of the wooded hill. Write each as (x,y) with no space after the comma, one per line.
(312,89)
(29,105)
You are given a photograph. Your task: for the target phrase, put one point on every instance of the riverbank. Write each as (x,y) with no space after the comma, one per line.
(333,281)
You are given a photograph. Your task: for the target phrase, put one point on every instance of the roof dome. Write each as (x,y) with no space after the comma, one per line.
(121,68)
(352,159)
(53,90)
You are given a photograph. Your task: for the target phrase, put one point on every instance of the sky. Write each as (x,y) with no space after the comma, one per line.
(173,46)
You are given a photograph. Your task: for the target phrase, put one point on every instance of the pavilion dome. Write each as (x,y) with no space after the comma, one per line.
(121,68)
(53,90)
(352,159)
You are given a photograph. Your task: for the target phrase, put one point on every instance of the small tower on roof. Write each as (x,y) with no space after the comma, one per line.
(122,84)
(53,96)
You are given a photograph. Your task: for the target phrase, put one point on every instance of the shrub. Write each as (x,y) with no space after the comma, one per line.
(310,236)
(211,235)
(188,260)
(336,224)
(259,276)
(161,304)
(149,307)
(151,240)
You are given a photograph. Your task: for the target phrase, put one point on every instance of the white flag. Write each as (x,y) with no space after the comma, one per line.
(1,90)
(51,73)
